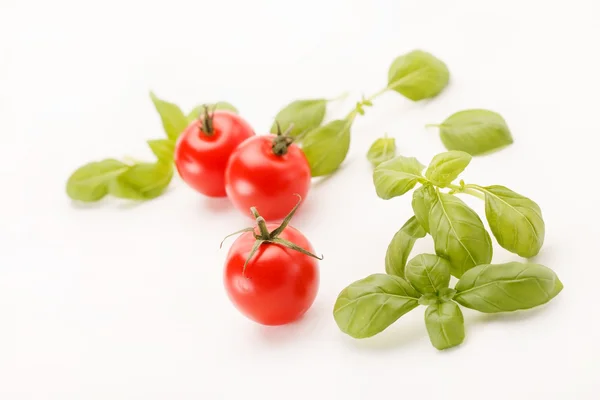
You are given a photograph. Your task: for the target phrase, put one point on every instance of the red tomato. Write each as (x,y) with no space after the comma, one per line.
(203,149)
(279,282)
(257,176)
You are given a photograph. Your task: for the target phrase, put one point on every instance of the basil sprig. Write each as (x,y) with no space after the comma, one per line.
(138,180)
(463,249)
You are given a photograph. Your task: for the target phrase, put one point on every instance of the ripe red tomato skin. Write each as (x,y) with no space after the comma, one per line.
(279,284)
(201,159)
(256,177)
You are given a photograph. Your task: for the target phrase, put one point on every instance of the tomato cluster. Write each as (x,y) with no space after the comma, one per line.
(271,274)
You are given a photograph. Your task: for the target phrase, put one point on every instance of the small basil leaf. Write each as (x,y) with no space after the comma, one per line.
(199,110)
(445,167)
(382,149)
(445,325)
(418,75)
(397,176)
(142,181)
(428,273)
(163,149)
(458,234)
(422,201)
(327,146)
(90,182)
(512,286)
(401,245)
(475,131)
(305,115)
(173,119)
(368,306)
(428,299)
(515,220)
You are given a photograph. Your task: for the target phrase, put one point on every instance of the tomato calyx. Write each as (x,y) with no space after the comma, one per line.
(264,236)
(282,141)
(207,126)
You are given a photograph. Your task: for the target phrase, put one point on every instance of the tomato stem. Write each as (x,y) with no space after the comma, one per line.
(207,122)
(282,141)
(272,237)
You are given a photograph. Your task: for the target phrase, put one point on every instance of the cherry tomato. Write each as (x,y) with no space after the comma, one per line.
(277,282)
(203,149)
(265,172)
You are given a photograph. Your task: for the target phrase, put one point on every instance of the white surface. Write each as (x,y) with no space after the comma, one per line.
(119,302)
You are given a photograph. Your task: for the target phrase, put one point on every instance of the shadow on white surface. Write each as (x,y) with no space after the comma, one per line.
(397,336)
(216,204)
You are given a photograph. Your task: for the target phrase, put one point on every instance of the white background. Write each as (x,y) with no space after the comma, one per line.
(126,302)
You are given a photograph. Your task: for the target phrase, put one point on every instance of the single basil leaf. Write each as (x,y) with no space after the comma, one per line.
(475,131)
(382,149)
(173,119)
(199,110)
(142,181)
(305,115)
(511,286)
(368,306)
(418,75)
(327,146)
(445,325)
(428,273)
(422,201)
(401,245)
(515,220)
(163,149)
(90,182)
(445,167)
(458,234)
(397,176)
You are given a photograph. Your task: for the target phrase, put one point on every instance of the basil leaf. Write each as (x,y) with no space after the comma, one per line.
(142,181)
(445,167)
(445,325)
(368,306)
(401,246)
(475,131)
(428,273)
(397,176)
(515,220)
(382,149)
(306,115)
(423,199)
(326,147)
(163,149)
(199,110)
(173,119)
(90,182)
(458,234)
(512,286)
(418,75)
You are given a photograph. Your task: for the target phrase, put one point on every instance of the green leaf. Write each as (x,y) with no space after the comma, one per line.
(397,176)
(306,115)
(475,131)
(512,286)
(173,119)
(458,234)
(382,149)
(422,202)
(428,273)
(445,167)
(163,149)
(445,325)
(90,182)
(515,220)
(327,146)
(401,245)
(199,110)
(368,306)
(418,75)
(142,181)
